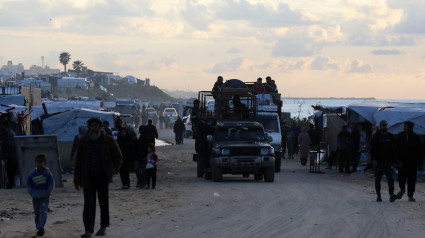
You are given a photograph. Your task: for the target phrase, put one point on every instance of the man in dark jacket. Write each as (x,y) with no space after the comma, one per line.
(382,151)
(195,115)
(202,146)
(140,162)
(179,129)
(409,154)
(314,137)
(98,159)
(151,132)
(8,153)
(343,150)
(355,147)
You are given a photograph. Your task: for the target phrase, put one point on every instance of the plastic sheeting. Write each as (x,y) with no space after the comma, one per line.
(65,125)
(394,113)
(333,124)
(397,116)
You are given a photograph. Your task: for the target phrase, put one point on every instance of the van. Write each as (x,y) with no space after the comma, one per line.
(270,122)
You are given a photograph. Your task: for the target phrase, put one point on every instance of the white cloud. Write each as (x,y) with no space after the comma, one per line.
(298,45)
(386,52)
(227,66)
(259,15)
(324,63)
(359,67)
(233,51)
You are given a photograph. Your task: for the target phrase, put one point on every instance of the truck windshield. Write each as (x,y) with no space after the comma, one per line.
(269,123)
(239,134)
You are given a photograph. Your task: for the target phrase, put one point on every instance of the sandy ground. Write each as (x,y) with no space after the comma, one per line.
(297,204)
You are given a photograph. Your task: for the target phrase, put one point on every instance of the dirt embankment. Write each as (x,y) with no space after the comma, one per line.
(118,90)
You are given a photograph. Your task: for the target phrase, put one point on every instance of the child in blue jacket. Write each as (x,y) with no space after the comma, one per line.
(40,184)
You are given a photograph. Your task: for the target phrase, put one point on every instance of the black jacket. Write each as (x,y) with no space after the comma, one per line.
(179,126)
(408,149)
(151,133)
(383,147)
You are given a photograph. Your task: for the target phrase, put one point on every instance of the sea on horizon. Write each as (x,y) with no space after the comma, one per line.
(301,107)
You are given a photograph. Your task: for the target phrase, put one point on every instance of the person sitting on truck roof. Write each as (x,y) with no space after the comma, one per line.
(258,87)
(239,107)
(217,86)
(271,83)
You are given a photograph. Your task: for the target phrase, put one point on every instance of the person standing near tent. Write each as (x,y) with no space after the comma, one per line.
(151,132)
(343,141)
(140,163)
(295,129)
(179,128)
(355,147)
(98,159)
(409,154)
(124,142)
(383,151)
(82,130)
(8,153)
(304,142)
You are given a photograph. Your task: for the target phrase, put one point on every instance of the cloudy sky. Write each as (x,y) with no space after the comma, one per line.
(311,48)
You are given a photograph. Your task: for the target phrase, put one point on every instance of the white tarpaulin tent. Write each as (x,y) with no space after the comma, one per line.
(394,113)
(398,115)
(60,106)
(65,125)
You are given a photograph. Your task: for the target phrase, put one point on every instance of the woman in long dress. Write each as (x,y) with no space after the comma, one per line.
(304,143)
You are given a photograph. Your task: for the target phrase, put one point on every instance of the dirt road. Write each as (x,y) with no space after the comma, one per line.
(297,204)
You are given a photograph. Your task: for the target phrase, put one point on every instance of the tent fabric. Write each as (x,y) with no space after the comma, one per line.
(333,124)
(65,125)
(234,83)
(394,113)
(396,117)
(60,106)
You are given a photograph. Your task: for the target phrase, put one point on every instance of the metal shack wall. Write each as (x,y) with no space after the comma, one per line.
(28,147)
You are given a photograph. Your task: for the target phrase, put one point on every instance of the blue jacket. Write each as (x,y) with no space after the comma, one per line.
(40,184)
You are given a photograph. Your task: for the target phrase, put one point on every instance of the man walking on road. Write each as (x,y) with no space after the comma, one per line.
(343,150)
(179,129)
(409,154)
(151,132)
(382,152)
(98,159)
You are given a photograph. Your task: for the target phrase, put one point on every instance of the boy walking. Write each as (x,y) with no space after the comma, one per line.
(40,184)
(151,168)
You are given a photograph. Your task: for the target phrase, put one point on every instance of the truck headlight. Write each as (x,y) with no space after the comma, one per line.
(220,151)
(264,151)
(225,151)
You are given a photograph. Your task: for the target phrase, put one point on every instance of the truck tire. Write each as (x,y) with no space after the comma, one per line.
(207,175)
(258,176)
(217,174)
(245,175)
(269,174)
(277,163)
(200,167)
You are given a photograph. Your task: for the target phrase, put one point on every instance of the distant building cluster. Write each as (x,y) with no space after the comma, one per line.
(48,79)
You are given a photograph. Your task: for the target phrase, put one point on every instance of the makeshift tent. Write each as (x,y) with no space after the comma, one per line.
(333,125)
(61,106)
(394,113)
(65,125)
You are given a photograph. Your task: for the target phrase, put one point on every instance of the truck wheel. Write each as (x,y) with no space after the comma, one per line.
(217,174)
(277,163)
(245,175)
(258,176)
(200,167)
(269,174)
(208,176)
